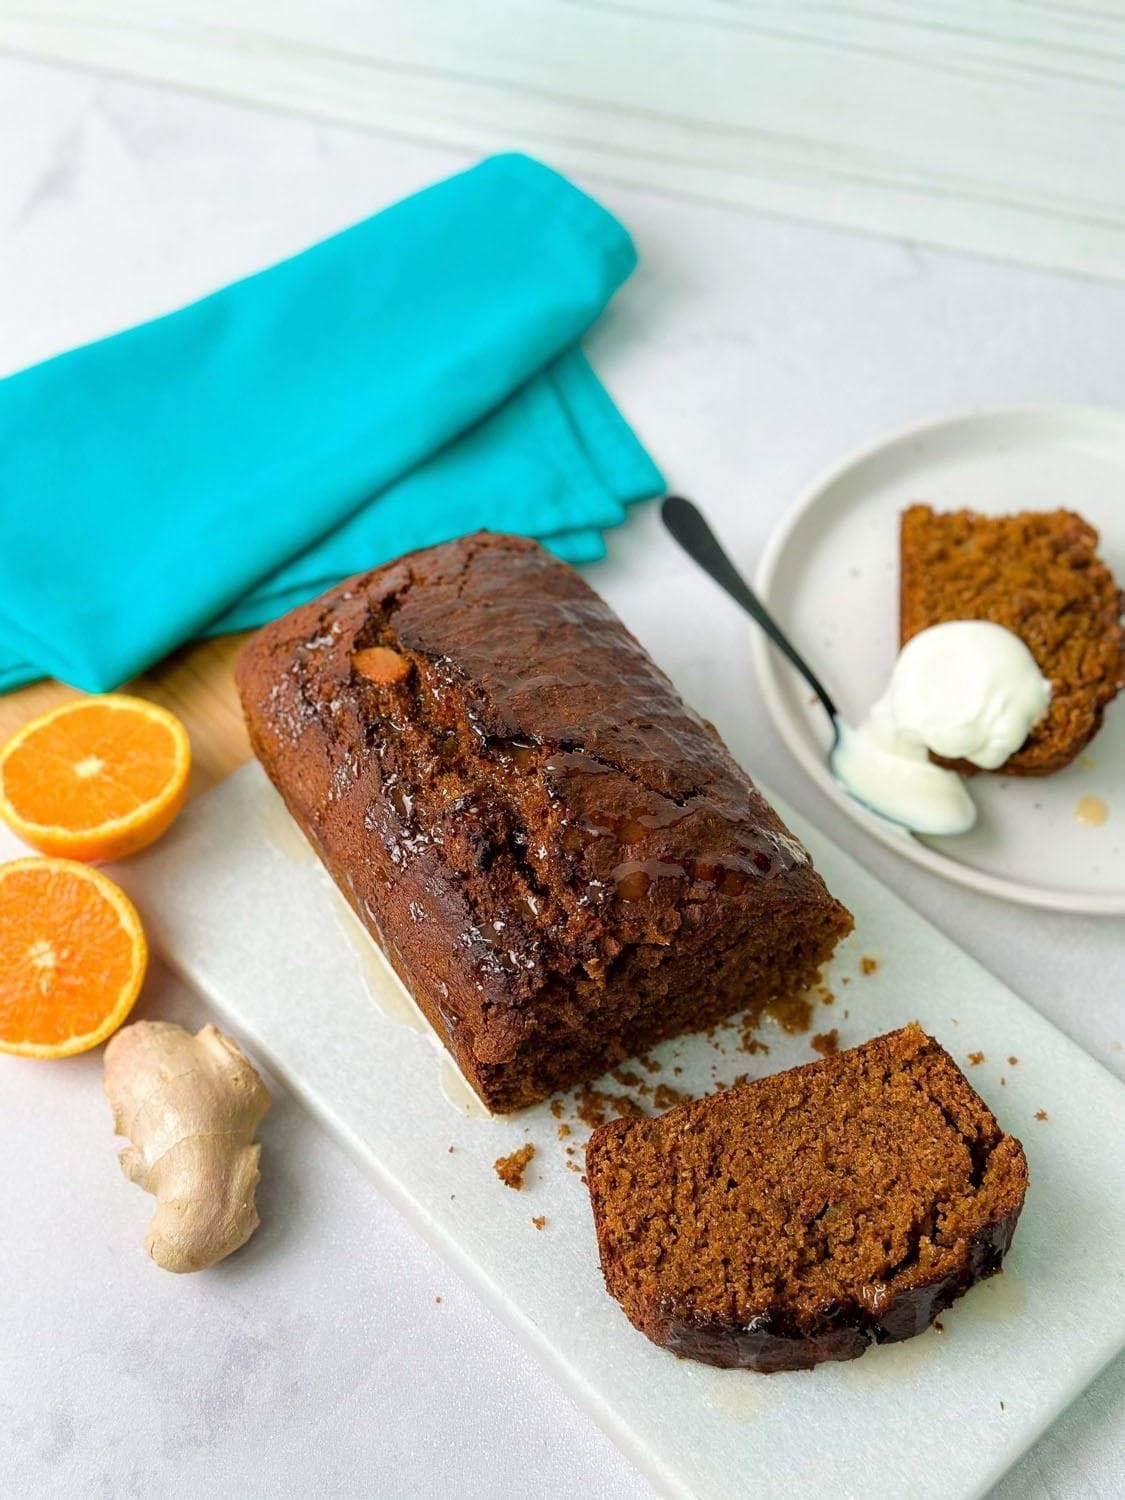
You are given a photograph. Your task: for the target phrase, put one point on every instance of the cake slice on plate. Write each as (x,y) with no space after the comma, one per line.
(1038,575)
(801,1217)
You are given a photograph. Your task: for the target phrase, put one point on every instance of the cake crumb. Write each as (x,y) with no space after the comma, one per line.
(827,997)
(975,1059)
(846,979)
(649,1064)
(752,1045)
(868,964)
(826,1042)
(1013,1062)
(510,1168)
(451,1150)
(939,1326)
(1040,1114)
(539,1220)
(665,1096)
(793,1015)
(626,1078)
(595,1107)
(563,1131)
(677,1071)
(437,1299)
(573,1167)
(557,1108)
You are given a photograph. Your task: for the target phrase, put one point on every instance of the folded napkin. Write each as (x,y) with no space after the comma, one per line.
(410,379)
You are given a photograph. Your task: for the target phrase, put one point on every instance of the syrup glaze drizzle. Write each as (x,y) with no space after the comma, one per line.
(656,773)
(758,854)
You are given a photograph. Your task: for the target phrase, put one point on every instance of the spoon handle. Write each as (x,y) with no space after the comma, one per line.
(687,525)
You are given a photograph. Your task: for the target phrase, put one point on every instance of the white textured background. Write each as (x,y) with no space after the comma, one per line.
(750,352)
(995,125)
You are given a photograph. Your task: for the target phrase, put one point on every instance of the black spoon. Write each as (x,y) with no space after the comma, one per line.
(688,526)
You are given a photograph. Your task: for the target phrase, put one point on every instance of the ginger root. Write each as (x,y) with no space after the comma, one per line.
(190,1106)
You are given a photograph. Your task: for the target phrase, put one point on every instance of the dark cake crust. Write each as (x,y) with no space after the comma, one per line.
(1038,575)
(773,1342)
(562,861)
(667,1172)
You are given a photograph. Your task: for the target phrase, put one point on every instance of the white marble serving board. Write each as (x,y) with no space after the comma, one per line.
(236,902)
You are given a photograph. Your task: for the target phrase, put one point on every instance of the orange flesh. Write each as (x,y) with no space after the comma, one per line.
(66,958)
(89,767)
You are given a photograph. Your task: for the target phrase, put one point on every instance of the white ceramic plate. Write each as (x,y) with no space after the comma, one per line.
(830,575)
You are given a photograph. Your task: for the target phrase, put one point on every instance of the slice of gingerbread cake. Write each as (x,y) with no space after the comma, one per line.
(802,1217)
(1037,574)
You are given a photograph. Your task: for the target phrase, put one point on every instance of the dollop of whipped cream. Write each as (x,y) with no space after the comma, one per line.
(967,690)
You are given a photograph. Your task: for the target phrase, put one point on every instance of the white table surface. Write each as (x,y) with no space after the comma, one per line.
(750,352)
(985,125)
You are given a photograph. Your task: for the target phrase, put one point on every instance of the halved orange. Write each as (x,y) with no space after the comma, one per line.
(72,957)
(96,778)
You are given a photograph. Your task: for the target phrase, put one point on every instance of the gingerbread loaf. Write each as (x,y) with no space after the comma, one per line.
(563,862)
(805,1216)
(1037,574)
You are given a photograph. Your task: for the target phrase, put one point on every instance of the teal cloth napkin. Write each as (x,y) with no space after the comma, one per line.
(413,378)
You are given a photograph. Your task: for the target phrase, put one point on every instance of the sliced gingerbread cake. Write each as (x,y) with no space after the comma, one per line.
(563,862)
(802,1217)
(1037,574)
